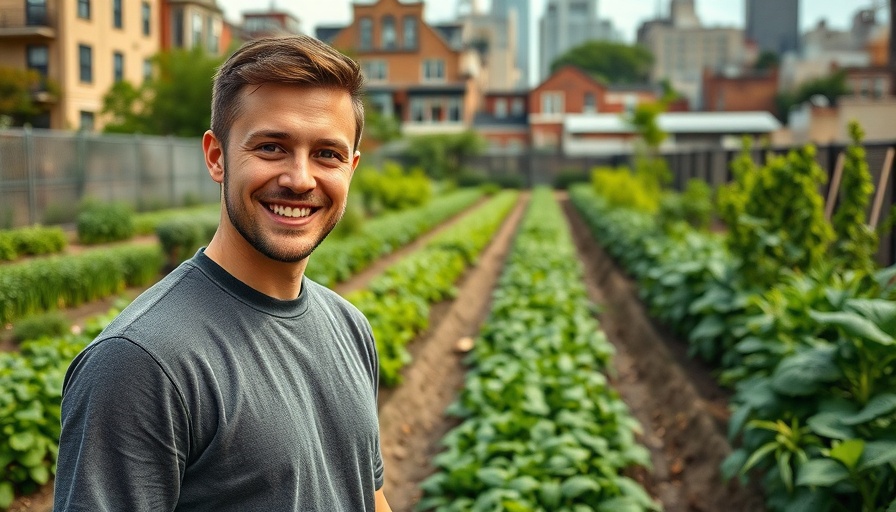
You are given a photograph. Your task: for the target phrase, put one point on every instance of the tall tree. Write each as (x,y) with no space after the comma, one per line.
(175,101)
(614,63)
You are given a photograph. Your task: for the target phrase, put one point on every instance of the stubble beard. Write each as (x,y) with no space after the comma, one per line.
(265,244)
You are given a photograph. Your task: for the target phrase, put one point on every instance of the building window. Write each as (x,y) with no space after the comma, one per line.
(501,108)
(196,26)
(88,121)
(552,103)
(36,12)
(517,107)
(147,69)
(84,9)
(213,33)
(409,36)
(38,59)
(590,104)
(146,14)
(454,109)
(417,110)
(177,31)
(434,70)
(117,66)
(880,87)
(389,36)
(365,26)
(85,63)
(116,14)
(374,70)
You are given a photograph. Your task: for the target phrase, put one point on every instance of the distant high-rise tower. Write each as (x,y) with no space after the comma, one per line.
(519,9)
(774,25)
(567,24)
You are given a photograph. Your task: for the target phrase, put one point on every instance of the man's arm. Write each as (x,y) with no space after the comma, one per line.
(381,504)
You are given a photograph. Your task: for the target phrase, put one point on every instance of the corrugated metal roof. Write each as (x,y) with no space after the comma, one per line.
(678,122)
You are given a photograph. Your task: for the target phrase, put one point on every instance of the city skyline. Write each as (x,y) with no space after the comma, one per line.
(625,16)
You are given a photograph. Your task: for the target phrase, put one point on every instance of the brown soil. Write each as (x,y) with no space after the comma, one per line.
(683,411)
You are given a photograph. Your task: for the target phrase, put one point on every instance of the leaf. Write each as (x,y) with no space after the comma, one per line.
(822,473)
(710,327)
(830,424)
(853,325)
(493,477)
(7,494)
(620,504)
(785,470)
(804,373)
(877,453)
(878,406)
(733,462)
(21,441)
(880,311)
(575,486)
(758,455)
(848,452)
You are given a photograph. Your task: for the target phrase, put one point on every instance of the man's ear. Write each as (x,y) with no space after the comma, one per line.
(355,159)
(214,156)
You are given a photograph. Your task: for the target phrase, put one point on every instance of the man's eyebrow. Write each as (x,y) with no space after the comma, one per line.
(334,143)
(268,134)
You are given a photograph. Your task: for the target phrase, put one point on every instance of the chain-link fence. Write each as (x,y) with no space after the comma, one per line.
(45,174)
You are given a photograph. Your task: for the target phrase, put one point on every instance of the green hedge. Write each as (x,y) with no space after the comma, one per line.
(31,241)
(105,222)
(64,281)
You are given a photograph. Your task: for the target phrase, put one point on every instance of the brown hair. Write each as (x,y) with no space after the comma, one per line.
(299,60)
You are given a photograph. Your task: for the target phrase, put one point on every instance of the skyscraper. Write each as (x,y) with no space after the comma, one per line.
(774,25)
(519,9)
(567,24)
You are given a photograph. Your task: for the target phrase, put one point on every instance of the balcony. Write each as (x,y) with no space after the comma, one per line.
(22,23)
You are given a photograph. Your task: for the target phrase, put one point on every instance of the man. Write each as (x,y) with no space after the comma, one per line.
(236,383)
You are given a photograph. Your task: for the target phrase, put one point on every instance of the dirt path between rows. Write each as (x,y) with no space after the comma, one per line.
(682,409)
(412,420)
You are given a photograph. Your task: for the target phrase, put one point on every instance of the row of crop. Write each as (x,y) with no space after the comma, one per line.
(59,281)
(397,303)
(542,429)
(30,397)
(338,258)
(64,281)
(811,355)
(31,241)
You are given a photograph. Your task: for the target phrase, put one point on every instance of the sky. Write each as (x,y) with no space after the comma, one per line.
(626,15)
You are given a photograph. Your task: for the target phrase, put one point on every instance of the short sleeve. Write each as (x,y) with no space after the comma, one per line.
(125,432)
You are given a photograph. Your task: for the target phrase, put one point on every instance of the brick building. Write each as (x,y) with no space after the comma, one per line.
(745,92)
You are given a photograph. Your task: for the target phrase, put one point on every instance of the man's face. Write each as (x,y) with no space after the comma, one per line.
(288,166)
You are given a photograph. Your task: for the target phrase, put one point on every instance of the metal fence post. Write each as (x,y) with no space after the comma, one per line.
(30,175)
(172,192)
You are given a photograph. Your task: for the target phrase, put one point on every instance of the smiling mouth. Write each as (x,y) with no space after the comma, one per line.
(288,211)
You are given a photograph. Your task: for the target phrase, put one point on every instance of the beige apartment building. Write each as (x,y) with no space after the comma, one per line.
(84,46)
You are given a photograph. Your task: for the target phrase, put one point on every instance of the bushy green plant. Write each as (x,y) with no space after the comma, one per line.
(624,189)
(694,205)
(105,222)
(775,215)
(392,188)
(855,245)
(52,323)
(181,235)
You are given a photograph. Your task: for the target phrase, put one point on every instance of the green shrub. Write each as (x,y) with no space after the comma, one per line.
(38,240)
(7,247)
(105,222)
(392,188)
(182,235)
(570,176)
(624,189)
(52,323)
(693,206)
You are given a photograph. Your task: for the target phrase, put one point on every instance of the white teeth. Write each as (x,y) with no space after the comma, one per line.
(288,211)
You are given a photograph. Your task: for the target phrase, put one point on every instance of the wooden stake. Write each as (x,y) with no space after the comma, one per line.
(835,187)
(881,188)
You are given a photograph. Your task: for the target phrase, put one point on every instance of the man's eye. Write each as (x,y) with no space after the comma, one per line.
(268,148)
(329,153)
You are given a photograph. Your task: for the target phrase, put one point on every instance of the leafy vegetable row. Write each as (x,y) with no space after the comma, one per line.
(339,258)
(397,302)
(542,429)
(811,357)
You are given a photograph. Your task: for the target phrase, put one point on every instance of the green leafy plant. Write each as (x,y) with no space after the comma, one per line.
(105,222)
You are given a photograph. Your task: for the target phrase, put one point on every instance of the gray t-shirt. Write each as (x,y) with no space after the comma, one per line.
(205,394)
